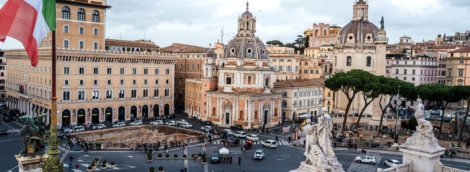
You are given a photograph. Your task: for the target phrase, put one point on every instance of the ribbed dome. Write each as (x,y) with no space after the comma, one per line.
(247,14)
(211,53)
(360,29)
(246,47)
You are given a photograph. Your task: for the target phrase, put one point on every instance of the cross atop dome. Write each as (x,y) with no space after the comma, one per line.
(247,4)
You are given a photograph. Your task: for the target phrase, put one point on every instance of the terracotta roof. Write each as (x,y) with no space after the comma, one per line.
(298,83)
(443,47)
(184,48)
(127,43)
(462,50)
(312,48)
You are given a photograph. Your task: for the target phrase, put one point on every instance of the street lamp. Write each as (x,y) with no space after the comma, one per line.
(396,119)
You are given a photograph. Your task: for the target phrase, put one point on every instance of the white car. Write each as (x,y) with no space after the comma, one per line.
(78,129)
(252,137)
(228,131)
(391,162)
(270,143)
(121,124)
(116,126)
(136,122)
(206,128)
(171,123)
(240,134)
(101,126)
(259,154)
(157,122)
(366,159)
(186,125)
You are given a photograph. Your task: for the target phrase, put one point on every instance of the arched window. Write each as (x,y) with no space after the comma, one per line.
(249,80)
(241,116)
(65,12)
(81,14)
(95,16)
(368,61)
(348,61)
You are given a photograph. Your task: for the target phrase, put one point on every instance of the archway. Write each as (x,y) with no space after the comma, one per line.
(265,117)
(95,115)
(166,109)
(145,111)
(121,113)
(81,116)
(65,118)
(133,111)
(156,110)
(109,114)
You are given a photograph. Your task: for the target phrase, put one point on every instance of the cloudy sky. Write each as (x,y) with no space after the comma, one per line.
(200,22)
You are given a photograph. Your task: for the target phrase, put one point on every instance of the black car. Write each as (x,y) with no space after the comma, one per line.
(6,118)
(3,132)
(206,123)
(236,127)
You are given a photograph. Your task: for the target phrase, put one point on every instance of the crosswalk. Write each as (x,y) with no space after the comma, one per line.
(242,142)
(14,130)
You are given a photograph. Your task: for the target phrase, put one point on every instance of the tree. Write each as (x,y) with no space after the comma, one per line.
(350,83)
(275,42)
(307,41)
(464,92)
(370,91)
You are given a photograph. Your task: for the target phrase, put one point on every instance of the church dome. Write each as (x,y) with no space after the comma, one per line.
(211,53)
(358,32)
(246,47)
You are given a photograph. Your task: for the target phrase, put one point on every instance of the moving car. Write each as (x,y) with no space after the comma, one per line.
(157,122)
(3,132)
(206,128)
(236,127)
(366,159)
(252,137)
(121,124)
(239,134)
(215,158)
(228,131)
(136,122)
(391,162)
(171,123)
(259,154)
(101,126)
(270,143)
(186,125)
(78,129)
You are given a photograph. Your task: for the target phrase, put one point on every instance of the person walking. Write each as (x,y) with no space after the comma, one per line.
(230,159)
(239,160)
(71,158)
(70,166)
(277,140)
(77,165)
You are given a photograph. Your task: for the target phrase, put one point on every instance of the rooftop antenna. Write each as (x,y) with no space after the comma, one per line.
(222,35)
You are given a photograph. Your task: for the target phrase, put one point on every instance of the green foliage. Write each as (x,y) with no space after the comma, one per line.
(113,163)
(160,168)
(412,123)
(275,42)
(307,41)
(90,167)
(167,155)
(149,156)
(151,169)
(185,156)
(159,155)
(204,159)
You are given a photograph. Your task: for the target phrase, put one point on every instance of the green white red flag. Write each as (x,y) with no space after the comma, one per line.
(28,21)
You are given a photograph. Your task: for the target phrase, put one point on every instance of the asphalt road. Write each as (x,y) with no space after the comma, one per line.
(10,145)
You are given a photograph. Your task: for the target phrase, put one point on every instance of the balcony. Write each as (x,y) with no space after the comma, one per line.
(24,95)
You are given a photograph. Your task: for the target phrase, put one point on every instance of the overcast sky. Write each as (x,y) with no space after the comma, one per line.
(200,22)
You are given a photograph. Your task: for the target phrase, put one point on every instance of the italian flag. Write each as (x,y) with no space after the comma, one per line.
(28,21)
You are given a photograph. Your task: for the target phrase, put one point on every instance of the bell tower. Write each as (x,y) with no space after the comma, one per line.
(361,11)
(246,24)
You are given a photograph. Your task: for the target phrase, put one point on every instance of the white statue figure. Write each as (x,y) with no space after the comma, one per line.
(310,135)
(324,130)
(424,136)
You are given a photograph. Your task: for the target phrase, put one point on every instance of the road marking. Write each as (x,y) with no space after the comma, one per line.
(11,170)
(8,125)
(9,140)
(186,160)
(63,156)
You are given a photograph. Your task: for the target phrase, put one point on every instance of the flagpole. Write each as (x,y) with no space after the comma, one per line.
(52,163)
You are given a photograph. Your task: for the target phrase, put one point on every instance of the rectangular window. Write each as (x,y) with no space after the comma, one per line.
(80,30)
(109,82)
(404,72)
(295,94)
(109,94)
(294,104)
(156,81)
(396,71)
(146,71)
(228,80)
(81,81)
(109,70)
(460,72)
(156,93)
(413,79)
(66,43)
(134,71)
(145,82)
(95,94)
(95,31)
(95,45)
(81,95)
(133,82)
(122,81)
(95,71)
(167,81)
(306,63)
(81,70)
(461,61)
(157,71)
(81,44)
(133,93)
(66,29)
(145,93)
(404,78)
(167,71)
(66,96)
(66,82)
(66,70)
(95,82)
(167,92)
(280,68)
(181,66)
(122,94)
(413,71)
(121,71)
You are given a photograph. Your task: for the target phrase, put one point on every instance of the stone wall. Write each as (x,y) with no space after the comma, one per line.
(439,167)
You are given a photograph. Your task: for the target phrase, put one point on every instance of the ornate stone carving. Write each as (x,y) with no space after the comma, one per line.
(33,134)
(319,153)
(424,136)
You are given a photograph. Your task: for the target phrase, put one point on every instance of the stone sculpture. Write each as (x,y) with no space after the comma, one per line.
(319,153)
(423,138)
(33,134)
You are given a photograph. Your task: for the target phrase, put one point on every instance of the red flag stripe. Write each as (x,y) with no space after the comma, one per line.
(18,20)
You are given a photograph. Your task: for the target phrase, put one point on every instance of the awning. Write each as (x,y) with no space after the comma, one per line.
(223,151)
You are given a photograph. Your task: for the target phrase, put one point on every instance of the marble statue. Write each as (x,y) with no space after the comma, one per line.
(33,134)
(318,151)
(424,136)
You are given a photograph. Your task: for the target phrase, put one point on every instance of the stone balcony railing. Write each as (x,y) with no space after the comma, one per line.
(399,168)
(112,100)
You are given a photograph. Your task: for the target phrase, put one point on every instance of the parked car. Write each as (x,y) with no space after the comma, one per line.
(215,158)
(259,154)
(186,125)
(366,159)
(136,122)
(101,126)
(171,123)
(206,123)
(228,131)
(391,162)
(121,124)
(236,127)
(157,122)
(66,130)
(240,134)
(206,128)
(78,129)
(3,132)
(116,126)
(270,143)
(252,137)
(6,118)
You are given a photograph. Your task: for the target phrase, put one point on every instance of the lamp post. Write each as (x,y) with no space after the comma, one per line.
(396,119)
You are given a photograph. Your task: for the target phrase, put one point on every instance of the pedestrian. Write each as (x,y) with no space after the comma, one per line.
(267,131)
(290,138)
(71,158)
(77,165)
(277,140)
(230,159)
(70,165)
(239,160)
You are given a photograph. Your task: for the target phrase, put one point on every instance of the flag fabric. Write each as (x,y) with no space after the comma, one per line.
(28,21)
